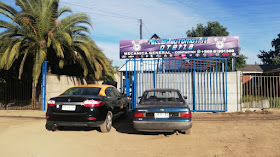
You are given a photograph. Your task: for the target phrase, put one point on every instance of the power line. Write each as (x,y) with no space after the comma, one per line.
(110,14)
(146,28)
(117,15)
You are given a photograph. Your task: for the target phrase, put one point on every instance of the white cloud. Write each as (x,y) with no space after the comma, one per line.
(167,19)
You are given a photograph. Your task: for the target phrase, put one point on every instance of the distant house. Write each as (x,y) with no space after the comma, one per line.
(260,70)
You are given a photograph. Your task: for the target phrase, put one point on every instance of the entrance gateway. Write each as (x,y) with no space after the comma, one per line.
(195,66)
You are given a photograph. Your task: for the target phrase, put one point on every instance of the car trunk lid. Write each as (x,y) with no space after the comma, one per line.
(162,111)
(72,103)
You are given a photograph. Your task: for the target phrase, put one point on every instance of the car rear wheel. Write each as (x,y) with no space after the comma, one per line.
(51,127)
(106,126)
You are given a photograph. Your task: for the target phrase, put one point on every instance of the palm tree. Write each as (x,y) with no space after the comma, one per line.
(38,29)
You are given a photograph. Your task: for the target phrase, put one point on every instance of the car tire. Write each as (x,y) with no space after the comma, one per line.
(107,125)
(187,132)
(48,127)
(51,127)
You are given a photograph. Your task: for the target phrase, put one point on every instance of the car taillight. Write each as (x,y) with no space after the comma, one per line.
(91,118)
(93,103)
(139,114)
(185,114)
(51,102)
(47,117)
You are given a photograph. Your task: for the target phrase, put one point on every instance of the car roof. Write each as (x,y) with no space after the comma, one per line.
(102,86)
(162,89)
(95,85)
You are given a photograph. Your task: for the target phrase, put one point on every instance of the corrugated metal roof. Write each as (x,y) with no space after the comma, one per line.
(260,68)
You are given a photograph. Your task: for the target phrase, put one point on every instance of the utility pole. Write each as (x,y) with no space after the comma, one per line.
(140,23)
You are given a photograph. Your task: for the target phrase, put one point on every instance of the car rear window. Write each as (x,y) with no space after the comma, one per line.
(161,97)
(82,91)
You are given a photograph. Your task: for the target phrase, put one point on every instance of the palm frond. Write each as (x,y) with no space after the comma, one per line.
(61,64)
(77,29)
(8,8)
(22,63)
(13,55)
(58,48)
(7,14)
(39,28)
(24,4)
(63,10)
(66,37)
(73,20)
(4,24)
(4,58)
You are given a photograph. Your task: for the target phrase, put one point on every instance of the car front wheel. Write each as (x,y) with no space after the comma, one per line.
(106,126)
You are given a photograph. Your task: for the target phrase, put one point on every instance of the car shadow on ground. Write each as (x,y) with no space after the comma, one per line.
(125,125)
(64,128)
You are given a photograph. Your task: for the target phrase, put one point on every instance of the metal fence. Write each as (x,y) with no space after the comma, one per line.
(260,91)
(16,95)
(203,81)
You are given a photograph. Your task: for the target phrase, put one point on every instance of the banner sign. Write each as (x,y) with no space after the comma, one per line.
(182,47)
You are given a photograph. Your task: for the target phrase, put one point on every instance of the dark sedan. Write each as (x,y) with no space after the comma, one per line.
(86,106)
(162,110)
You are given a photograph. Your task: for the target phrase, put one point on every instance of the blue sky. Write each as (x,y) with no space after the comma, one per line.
(256,22)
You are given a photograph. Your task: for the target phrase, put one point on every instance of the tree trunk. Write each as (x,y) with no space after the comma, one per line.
(34,93)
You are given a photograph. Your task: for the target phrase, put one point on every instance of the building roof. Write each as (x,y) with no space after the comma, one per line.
(155,36)
(249,68)
(252,68)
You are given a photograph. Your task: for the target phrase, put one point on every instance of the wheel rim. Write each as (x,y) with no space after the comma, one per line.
(109,121)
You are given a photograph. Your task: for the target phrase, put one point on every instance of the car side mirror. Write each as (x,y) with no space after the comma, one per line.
(185,97)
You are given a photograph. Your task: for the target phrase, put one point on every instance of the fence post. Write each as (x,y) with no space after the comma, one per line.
(194,95)
(233,63)
(44,81)
(135,86)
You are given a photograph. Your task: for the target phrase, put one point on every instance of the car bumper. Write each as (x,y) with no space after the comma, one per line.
(76,124)
(155,126)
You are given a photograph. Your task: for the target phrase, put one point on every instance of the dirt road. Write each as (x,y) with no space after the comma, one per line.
(22,134)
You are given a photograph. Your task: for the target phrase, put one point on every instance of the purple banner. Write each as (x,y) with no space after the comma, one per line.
(182,47)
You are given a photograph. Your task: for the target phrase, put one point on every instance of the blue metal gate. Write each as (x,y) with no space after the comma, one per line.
(202,80)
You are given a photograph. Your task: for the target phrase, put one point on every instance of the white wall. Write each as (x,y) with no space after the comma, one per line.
(234,97)
(56,84)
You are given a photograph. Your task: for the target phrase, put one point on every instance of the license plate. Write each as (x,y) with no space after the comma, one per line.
(161,115)
(68,107)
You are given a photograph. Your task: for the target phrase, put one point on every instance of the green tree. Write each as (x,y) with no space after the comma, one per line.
(216,29)
(271,56)
(37,31)
(212,29)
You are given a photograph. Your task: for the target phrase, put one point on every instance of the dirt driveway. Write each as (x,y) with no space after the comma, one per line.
(22,134)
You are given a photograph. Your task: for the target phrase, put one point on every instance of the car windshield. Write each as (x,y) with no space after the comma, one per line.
(161,97)
(82,91)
